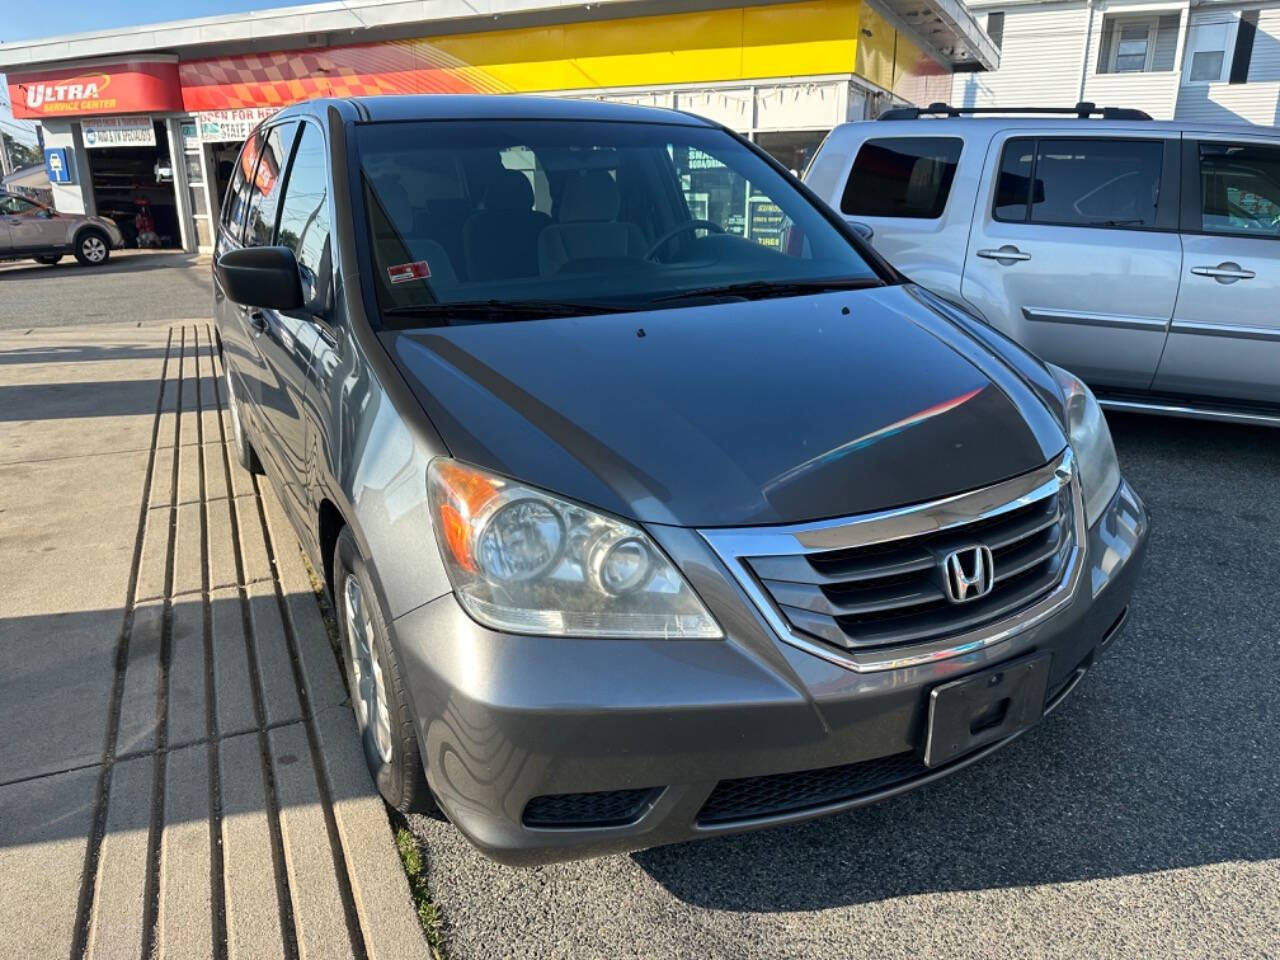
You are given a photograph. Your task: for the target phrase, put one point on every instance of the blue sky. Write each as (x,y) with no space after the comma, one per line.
(23,20)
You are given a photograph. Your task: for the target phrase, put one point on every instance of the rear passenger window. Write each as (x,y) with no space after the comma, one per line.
(1080,183)
(1240,189)
(902,177)
(265,193)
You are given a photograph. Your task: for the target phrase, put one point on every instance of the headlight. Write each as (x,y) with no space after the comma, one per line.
(525,561)
(1091,442)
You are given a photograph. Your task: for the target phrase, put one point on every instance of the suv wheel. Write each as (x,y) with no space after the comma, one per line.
(92,248)
(50,260)
(246,456)
(375,685)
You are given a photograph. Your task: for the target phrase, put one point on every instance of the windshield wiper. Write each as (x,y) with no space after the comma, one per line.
(502,309)
(762,289)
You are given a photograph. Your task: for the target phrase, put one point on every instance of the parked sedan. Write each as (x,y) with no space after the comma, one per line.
(32,231)
(644,521)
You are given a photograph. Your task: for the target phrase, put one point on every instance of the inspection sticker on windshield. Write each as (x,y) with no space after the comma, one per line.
(404,272)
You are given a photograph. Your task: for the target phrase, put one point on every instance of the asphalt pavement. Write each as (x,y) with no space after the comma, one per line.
(1141,819)
(134,285)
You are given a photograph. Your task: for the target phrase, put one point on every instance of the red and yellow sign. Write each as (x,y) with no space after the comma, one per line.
(710,46)
(139,86)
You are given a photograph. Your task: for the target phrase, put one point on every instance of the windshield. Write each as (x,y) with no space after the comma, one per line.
(584,216)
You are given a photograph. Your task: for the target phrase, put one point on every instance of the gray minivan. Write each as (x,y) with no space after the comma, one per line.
(645,521)
(1143,256)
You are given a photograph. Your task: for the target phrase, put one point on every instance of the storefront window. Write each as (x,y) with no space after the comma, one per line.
(792,148)
(712,190)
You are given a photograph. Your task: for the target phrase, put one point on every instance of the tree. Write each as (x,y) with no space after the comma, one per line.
(21,154)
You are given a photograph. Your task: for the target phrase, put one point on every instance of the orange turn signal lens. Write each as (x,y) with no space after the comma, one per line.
(465,494)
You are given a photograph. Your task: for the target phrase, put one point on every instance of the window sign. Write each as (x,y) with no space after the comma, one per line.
(765,221)
(230,126)
(119,132)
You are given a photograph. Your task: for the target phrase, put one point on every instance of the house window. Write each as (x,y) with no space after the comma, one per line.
(995,28)
(1145,44)
(1209,46)
(1131,50)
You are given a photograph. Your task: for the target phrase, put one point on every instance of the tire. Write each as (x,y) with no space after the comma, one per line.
(246,456)
(93,249)
(375,685)
(50,260)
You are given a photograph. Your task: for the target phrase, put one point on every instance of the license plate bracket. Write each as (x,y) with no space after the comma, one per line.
(984,707)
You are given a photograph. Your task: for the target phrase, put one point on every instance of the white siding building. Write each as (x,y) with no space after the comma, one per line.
(1197,60)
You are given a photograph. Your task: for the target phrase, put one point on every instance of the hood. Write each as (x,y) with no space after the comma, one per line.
(760,412)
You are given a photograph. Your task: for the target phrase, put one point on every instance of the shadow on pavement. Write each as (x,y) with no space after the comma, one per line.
(128,263)
(78,353)
(1165,757)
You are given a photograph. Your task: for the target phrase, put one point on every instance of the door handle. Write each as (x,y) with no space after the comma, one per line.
(257,321)
(1226,272)
(1005,255)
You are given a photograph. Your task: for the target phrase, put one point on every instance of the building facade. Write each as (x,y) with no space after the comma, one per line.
(151,119)
(1201,60)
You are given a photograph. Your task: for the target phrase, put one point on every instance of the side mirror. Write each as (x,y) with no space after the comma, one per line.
(261,277)
(862,229)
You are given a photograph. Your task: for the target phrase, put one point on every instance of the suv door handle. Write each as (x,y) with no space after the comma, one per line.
(257,321)
(1227,272)
(1005,255)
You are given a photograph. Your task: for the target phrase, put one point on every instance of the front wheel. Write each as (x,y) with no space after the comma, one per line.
(92,248)
(376,685)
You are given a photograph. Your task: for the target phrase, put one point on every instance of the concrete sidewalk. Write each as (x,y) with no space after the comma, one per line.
(180,774)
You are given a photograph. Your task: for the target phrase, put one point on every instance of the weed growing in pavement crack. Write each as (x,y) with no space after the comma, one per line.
(414,869)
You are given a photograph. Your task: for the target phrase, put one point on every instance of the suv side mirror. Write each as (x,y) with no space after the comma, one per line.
(862,229)
(261,277)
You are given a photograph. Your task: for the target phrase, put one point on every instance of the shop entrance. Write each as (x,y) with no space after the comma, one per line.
(133,186)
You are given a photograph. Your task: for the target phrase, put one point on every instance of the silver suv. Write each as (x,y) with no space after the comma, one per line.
(32,231)
(1143,256)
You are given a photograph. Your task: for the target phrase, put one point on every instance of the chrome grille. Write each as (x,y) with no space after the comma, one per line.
(870,592)
(885,594)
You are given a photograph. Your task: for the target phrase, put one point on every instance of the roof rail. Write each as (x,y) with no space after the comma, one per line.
(1083,110)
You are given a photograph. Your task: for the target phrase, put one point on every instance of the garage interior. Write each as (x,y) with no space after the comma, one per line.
(131,184)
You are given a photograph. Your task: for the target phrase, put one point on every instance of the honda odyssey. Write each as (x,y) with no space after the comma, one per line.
(653,503)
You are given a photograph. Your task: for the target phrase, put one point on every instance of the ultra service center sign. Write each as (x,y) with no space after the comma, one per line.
(131,86)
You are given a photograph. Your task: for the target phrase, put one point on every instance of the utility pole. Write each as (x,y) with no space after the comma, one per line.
(5,166)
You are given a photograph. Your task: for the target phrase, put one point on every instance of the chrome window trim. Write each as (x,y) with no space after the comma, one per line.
(735,545)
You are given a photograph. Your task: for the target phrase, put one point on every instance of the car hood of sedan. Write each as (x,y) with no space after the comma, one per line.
(756,412)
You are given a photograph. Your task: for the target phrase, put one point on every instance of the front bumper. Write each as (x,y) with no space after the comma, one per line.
(643,732)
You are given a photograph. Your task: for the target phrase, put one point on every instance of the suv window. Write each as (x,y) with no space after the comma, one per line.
(902,177)
(265,195)
(237,202)
(1080,183)
(1240,189)
(17,207)
(304,218)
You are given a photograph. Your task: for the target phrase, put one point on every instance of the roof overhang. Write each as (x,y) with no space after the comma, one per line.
(331,23)
(948,30)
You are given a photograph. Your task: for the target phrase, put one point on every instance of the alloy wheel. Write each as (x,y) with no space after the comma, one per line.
(94,250)
(368,692)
